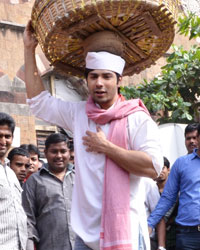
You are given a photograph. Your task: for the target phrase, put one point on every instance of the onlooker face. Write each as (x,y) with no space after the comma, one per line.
(102,85)
(57,156)
(191,141)
(6,138)
(20,165)
(164,174)
(34,163)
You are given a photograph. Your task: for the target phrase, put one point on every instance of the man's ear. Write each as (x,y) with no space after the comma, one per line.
(45,152)
(120,80)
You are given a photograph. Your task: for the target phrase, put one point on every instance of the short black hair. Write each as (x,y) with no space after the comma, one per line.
(166,162)
(87,71)
(198,130)
(31,148)
(191,127)
(56,138)
(71,147)
(17,151)
(6,119)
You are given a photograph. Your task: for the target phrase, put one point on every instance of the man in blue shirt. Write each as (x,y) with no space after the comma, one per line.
(184,178)
(191,137)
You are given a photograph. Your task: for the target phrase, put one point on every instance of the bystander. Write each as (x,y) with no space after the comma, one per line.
(47,198)
(13,227)
(34,157)
(183,179)
(191,137)
(19,163)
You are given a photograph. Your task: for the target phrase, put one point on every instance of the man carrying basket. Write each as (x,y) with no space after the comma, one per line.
(115,143)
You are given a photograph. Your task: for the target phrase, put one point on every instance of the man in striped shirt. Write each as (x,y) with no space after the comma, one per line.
(13,223)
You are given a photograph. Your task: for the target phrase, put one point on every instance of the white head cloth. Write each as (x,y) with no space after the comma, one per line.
(105,60)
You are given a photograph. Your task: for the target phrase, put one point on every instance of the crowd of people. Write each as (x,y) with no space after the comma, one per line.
(180,196)
(35,201)
(121,192)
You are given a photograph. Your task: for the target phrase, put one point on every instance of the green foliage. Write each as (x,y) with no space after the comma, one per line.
(189,25)
(175,91)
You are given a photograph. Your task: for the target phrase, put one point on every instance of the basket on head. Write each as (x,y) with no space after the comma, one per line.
(65,28)
(103,41)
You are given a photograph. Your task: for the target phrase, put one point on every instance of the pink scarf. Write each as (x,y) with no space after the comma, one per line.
(115,220)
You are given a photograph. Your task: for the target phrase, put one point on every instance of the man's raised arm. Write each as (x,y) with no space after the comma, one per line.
(34,85)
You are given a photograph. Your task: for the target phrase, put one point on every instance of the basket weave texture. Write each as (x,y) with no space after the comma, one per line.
(145,27)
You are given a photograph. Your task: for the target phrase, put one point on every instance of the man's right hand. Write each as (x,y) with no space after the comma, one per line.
(29,37)
(150,229)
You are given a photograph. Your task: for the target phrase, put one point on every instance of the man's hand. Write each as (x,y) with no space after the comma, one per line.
(136,162)
(95,142)
(150,229)
(29,38)
(34,85)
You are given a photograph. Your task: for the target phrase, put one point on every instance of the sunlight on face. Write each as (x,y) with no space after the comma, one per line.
(103,87)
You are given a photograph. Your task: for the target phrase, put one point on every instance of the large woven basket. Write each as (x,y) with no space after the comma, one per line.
(145,27)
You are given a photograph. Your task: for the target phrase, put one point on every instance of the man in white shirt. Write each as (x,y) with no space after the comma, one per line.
(107,211)
(13,223)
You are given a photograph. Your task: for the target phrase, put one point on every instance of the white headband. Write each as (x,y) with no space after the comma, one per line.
(104,60)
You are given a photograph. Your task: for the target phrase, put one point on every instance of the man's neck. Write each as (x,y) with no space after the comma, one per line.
(161,185)
(59,175)
(2,160)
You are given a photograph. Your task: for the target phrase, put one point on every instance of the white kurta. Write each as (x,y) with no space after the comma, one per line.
(87,194)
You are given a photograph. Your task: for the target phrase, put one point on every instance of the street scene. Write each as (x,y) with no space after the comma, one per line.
(99,125)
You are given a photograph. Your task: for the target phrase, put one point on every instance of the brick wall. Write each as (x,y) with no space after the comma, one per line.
(13,93)
(27,128)
(11,51)
(11,36)
(13,101)
(16,13)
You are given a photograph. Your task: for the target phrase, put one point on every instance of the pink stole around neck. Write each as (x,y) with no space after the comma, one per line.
(115,217)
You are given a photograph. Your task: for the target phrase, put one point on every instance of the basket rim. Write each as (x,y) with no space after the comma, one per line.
(37,15)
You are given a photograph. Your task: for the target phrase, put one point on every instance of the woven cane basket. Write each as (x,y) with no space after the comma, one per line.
(146,29)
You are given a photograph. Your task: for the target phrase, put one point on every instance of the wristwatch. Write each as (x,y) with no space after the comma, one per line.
(161,248)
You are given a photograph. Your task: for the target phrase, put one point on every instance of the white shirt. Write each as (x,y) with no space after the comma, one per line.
(152,195)
(13,222)
(87,193)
